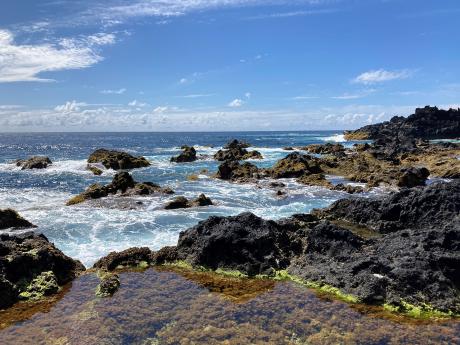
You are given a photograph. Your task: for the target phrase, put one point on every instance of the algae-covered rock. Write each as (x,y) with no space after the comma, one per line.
(117,160)
(31,267)
(132,257)
(36,162)
(314,180)
(11,219)
(43,285)
(110,283)
(94,169)
(296,165)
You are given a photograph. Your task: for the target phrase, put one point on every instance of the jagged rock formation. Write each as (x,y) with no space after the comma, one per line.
(235,151)
(117,160)
(188,154)
(122,183)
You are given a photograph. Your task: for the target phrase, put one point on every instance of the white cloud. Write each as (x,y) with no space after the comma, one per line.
(247,95)
(27,62)
(381,75)
(291,14)
(160,110)
(183,81)
(303,98)
(69,107)
(356,95)
(198,95)
(114,92)
(136,103)
(236,103)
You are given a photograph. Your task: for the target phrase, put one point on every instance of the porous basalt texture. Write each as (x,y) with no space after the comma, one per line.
(36,162)
(31,266)
(11,219)
(117,160)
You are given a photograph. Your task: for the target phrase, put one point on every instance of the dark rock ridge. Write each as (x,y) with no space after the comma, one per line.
(188,154)
(413,258)
(11,219)
(32,267)
(183,202)
(235,151)
(122,183)
(425,123)
(117,160)
(36,162)
(433,206)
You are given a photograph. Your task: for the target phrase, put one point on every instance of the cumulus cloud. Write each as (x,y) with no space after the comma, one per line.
(114,92)
(381,75)
(236,103)
(26,62)
(69,107)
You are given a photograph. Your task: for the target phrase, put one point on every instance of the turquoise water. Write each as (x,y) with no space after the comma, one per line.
(88,232)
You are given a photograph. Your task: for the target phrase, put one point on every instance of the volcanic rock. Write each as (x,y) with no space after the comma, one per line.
(117,160)
(36,162)
(188,155)
(11,219)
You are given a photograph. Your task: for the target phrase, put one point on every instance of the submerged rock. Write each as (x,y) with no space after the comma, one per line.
(117,160)
(188,155)
(11,219)
(122,183)
(31,267)
(36,162)
(235,151)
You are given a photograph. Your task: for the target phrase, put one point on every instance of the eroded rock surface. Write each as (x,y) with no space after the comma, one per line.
(31,267)
(117,160)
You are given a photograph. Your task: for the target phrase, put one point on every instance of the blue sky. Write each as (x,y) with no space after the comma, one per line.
(204,65)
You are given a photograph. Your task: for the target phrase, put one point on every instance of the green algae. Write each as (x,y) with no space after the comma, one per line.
(422,311)
(42,285)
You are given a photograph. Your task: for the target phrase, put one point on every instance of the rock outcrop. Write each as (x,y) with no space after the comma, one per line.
(324,149)
(11,219)
(296,165)
(425,123)
(31,267)
(188,154)
(122,183)
(235,151)
(183,202)
(36,162)
(117,160)
(235,171)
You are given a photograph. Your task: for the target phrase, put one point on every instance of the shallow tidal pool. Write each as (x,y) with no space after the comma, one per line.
(177,306)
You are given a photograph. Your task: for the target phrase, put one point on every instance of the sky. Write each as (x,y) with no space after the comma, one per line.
(223,65)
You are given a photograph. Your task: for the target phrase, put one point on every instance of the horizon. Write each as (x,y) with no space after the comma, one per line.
(223,66)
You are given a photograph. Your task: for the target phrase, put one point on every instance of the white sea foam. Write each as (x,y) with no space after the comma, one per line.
(337,138)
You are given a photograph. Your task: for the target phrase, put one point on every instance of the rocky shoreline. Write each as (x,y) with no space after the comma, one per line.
(400,251)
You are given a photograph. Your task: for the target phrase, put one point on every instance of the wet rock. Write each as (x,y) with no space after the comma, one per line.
(235,151)
(296,165)
(233,170)
(31,267)
(182,202)
(36,162)
(11,219)
(288,148)
(245,243)
(110,283)
(276,184)
(188,155)
(95,170)
(122,183)
(413,177)
(117,160)
(348,188)
(132,257)
(314,180)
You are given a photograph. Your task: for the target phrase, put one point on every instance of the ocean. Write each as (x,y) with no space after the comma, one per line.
(87,233)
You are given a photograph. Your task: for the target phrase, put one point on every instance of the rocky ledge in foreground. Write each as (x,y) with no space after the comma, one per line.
(409,259)
(122,183)
(236,150)
(117,160)
(35,162)
(11,219)
(31,267)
